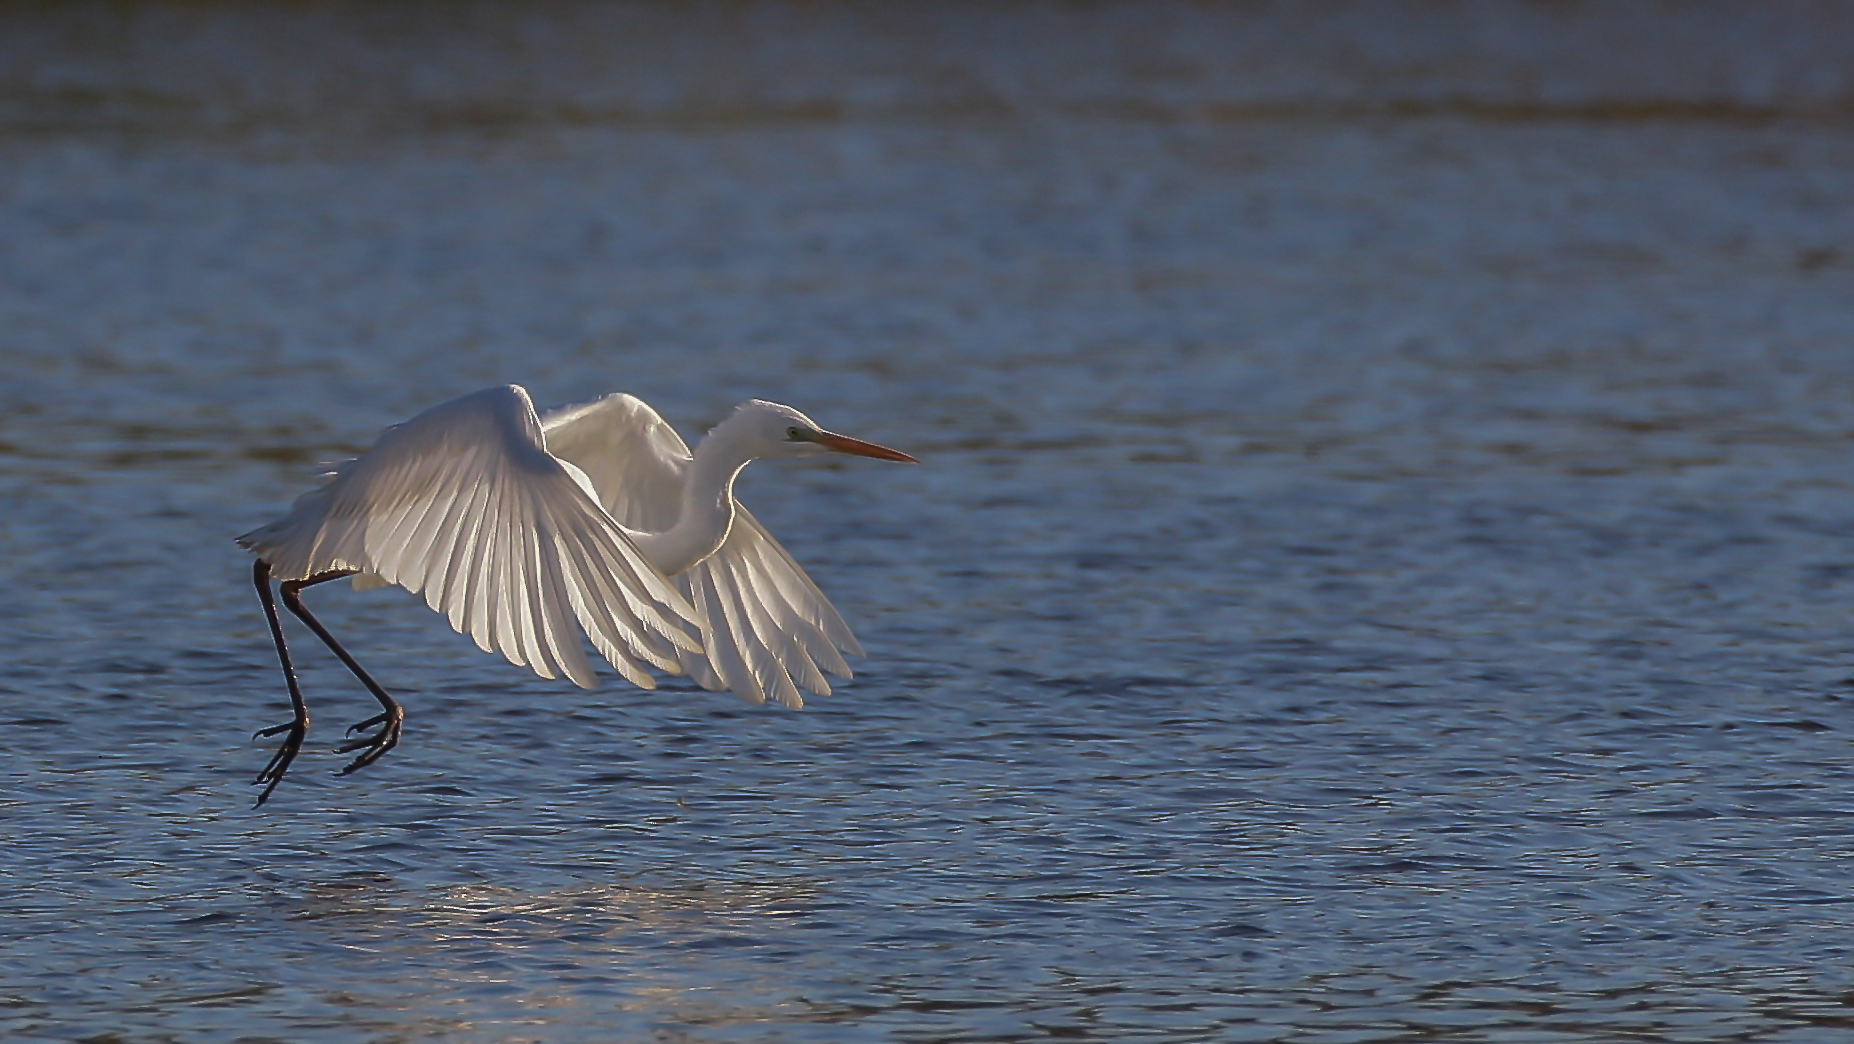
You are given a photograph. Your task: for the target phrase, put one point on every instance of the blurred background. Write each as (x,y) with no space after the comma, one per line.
(1380,568)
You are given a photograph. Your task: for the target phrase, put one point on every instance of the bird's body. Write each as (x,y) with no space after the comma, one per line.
(526,531)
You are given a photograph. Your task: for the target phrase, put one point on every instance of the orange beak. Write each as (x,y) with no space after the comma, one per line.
(857,447)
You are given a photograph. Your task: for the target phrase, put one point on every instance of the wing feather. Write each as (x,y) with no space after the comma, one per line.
(605,629)
(463,587)
(772,657)
(464,506)
(766,630)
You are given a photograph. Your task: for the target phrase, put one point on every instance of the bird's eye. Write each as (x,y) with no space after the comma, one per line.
(794,434)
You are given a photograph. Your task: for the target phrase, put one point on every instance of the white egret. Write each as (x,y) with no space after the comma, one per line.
(527,530)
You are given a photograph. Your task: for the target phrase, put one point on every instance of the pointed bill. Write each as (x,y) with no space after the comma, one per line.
(857,447)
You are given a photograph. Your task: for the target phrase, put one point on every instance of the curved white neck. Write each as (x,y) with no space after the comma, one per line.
(707,509)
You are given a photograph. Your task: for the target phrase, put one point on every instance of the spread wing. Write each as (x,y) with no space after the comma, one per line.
(768,631)
(463,505)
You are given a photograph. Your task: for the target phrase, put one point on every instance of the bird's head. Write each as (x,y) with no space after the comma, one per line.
(776,430)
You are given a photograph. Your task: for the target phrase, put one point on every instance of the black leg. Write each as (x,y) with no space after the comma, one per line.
(297,727)
(391,716)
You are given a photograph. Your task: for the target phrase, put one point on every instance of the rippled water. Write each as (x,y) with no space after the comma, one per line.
(1381,568)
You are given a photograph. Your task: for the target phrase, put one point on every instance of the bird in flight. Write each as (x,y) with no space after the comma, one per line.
(526,530)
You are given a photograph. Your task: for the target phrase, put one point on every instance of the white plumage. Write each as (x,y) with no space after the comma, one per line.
(766,630)
(527,531)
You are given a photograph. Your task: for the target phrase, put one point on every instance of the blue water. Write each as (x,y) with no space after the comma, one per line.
(1381,568)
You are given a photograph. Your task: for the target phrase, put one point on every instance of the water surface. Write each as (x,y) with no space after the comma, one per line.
(1380,569)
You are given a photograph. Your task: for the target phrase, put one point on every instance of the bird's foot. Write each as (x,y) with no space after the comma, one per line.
(293,733)
(371,747)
